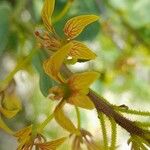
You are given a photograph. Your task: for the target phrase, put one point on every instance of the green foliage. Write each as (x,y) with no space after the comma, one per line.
(45,82)
(4,25)
(121,41)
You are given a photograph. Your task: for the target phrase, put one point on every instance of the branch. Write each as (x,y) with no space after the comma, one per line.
(102,106)
(105,107)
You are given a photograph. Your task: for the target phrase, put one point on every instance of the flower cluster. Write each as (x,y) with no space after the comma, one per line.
(74,89)
(10,105)
(28,140)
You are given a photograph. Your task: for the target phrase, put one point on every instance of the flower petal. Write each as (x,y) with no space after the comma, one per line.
(47,12)
(76,25)
(63,120)
(52,145)
(24,137)
(81,101)
(23,132)
(53,64)
(81,51)
(80,82)
(8,113)
(5,127)
(10,106)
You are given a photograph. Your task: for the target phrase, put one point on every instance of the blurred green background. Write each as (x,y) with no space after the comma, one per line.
(121,41)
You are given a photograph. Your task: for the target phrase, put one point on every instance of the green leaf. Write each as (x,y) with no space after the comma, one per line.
(5,127)
(4,25)
(79,7)
(45,81)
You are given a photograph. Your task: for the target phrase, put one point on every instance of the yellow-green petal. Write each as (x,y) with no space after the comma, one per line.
(51,145)
(81,100)
(63,120)
(47,12)
(80,82)
(10,106)
(53,64)
(81,51)
(76,25)
(8,113)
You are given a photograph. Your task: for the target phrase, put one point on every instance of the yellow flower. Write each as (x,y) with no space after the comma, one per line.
(73,90)
(77,85)
(84,138)
(10,105)
(72,29)
(28,142)
(51,145)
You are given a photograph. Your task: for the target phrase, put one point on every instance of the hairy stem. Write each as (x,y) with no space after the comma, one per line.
(102,121)
(133,112)
(102,106)
(113,134)
(106,108)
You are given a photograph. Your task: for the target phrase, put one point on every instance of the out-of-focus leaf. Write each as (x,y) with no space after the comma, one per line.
(13,41)
(45,81)
(11,105)
(4,25)
(5,127)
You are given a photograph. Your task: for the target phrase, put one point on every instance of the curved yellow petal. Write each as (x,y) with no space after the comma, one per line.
(81,101)
(80,82)
(21,134)
(81,51)
(8,113)
(5,127)
(76,25)
(53,64)
(51,145)
(10,106)
(47,12)
(24,137)
(63,120)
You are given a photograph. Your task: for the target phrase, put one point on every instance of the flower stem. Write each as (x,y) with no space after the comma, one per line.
(142,124)
(102,121)
(113,134)
(4,83)
(78,116)
(45,122)
(134,112)
(103,106)
(63,12)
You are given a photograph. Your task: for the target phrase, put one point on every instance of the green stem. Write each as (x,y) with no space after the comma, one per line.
(78,117)
(45,122)
(63,12)
(102,121)
(143,124)
(113,134)
(20,65)
(133,112)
